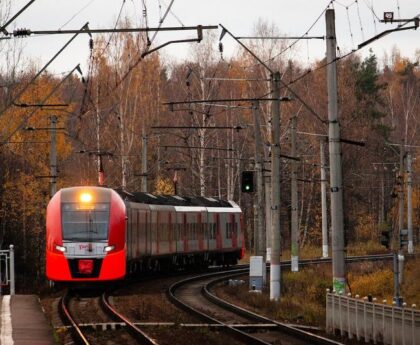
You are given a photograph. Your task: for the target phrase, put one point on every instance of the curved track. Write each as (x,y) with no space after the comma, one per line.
(136,332)
(77,334)
(237,323)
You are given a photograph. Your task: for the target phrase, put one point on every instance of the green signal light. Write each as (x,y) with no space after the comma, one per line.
(247,187)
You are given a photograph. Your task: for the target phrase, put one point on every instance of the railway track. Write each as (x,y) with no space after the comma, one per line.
(135,331)
(246,326)
(78,329)
(190,294)
(78,336)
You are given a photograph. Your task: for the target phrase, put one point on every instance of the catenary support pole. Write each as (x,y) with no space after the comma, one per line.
(410,203)
(259,163)
(401,193)
(336,185)
(294,200)
(53,156)
(144,161)
(275,189)
(267,184)
(12,269)
(324,200)
(396,280)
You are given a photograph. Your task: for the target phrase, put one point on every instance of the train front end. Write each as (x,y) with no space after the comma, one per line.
(85,236)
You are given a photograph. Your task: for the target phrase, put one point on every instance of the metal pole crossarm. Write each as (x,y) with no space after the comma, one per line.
(281,38)
(96,153)
(198,101)
(44,100)
(346,141)
(290,157)
(224,31)
(237,79)
(27,32)
(44,68)
(198,39)
(198,127)
(43,128)
(386,32)
(196,147)
(25,105)
(3,27)
(415,20)
(27,142)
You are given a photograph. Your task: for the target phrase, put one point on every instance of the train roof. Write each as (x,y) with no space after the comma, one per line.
(174,200)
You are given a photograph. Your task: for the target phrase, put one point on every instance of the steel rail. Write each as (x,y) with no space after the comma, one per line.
(137,333)
(238,334)
(293,331)
(77,334)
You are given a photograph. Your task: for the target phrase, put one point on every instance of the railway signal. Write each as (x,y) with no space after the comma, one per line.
(385,238)
(247,182)
(403,238)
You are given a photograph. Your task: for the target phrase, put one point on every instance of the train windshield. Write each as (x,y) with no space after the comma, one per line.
(85,224)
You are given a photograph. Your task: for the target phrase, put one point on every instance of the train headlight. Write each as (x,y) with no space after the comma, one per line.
(60,248)
(108,249)
(85,198)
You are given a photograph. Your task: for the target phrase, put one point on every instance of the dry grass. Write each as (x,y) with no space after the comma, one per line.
(300,303)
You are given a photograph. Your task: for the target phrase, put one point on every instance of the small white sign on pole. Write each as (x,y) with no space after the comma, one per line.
(256,273)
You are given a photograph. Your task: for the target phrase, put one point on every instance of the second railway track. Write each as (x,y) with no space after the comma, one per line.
(192,294)
(248,328)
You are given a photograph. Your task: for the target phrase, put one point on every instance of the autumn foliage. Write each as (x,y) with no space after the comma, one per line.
(122,95)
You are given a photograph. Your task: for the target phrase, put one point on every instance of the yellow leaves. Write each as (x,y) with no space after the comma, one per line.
(378,284)
(366,228)
(164,186)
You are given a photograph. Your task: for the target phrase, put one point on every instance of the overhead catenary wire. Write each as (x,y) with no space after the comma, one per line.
(76,14)
(296,41)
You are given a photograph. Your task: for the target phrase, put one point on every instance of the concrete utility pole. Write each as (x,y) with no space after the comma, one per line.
(259,163)
(401,193)
(294,199)
(324,200)
(336,185)
(144,161)
(267,183)
(275,189)
(410,203)
(53,156)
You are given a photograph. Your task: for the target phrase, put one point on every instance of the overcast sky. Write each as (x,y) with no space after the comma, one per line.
(354,20)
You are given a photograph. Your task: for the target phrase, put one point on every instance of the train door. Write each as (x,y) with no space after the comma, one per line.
(128,229)
(234,230)
(134,226)
(171,231)
(149,227)
(202,239)
(185,233)
(218,231)
(164,232)
(153,232)
(179,232)
(142,232)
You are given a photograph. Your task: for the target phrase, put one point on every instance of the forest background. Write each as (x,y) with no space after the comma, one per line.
(109,109)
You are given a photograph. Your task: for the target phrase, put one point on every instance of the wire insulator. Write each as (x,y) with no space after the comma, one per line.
(91,43)
(21,32)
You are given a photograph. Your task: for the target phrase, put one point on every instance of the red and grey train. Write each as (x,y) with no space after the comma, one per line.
(99,234)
